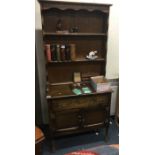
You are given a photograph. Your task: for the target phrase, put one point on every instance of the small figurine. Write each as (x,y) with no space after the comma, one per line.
(59,25)
(92,55)
(74,29)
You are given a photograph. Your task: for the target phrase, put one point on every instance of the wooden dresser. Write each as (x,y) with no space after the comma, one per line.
(85,26)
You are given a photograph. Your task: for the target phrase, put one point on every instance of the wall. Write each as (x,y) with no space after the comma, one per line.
(112,69)
(40,63)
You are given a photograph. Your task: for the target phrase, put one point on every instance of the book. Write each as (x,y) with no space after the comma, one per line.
(58,52)
(54,53)
(67,52)
(86,90)
(77,91)
(62,52)
(72,51)
(48,52)
(77,77)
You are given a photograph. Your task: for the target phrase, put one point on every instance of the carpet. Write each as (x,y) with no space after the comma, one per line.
(98,150)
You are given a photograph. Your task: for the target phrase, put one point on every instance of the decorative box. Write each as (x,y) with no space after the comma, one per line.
(100,83)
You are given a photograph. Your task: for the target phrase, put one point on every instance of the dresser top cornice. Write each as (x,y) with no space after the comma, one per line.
(64,5)
(77,3)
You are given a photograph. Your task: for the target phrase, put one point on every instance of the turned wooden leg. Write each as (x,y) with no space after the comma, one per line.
(106,133)
(52,143)
(53,148)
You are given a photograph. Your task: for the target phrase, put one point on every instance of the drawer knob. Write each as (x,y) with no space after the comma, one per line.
(79,117)
(83,120)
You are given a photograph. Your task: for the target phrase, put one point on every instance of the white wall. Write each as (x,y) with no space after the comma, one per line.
(112,69)
(37,16)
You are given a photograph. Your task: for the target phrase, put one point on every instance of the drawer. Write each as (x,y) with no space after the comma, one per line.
(96,100)
(80,102)
(66,104)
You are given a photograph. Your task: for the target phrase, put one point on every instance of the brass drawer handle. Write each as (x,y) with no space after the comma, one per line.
(79,117)
(83,120)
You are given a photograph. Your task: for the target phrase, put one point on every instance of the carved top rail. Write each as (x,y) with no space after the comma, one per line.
(48,4)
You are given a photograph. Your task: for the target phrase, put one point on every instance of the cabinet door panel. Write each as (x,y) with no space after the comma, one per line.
(67,120)
(95,117)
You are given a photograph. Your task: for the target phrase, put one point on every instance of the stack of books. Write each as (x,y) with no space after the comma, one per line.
(57,52)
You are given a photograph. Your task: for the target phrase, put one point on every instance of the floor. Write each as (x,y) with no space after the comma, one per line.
(83,141)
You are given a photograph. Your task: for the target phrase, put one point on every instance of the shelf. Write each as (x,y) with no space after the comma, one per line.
(73,34)
(73,95)
(65,91)
(76,61)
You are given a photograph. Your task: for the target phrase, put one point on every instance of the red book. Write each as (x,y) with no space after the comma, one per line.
(48,52)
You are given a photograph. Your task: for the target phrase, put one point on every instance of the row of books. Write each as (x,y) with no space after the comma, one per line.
(57,52)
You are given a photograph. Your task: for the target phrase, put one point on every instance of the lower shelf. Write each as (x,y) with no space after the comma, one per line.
(78,130)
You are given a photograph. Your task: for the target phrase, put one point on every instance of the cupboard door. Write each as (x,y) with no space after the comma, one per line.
(67,120)
(95,117)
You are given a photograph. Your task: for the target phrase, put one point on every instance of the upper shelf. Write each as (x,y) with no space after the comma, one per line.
(73,34)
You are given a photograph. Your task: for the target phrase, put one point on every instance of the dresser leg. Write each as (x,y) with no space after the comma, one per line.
(106,134)
(52,146)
